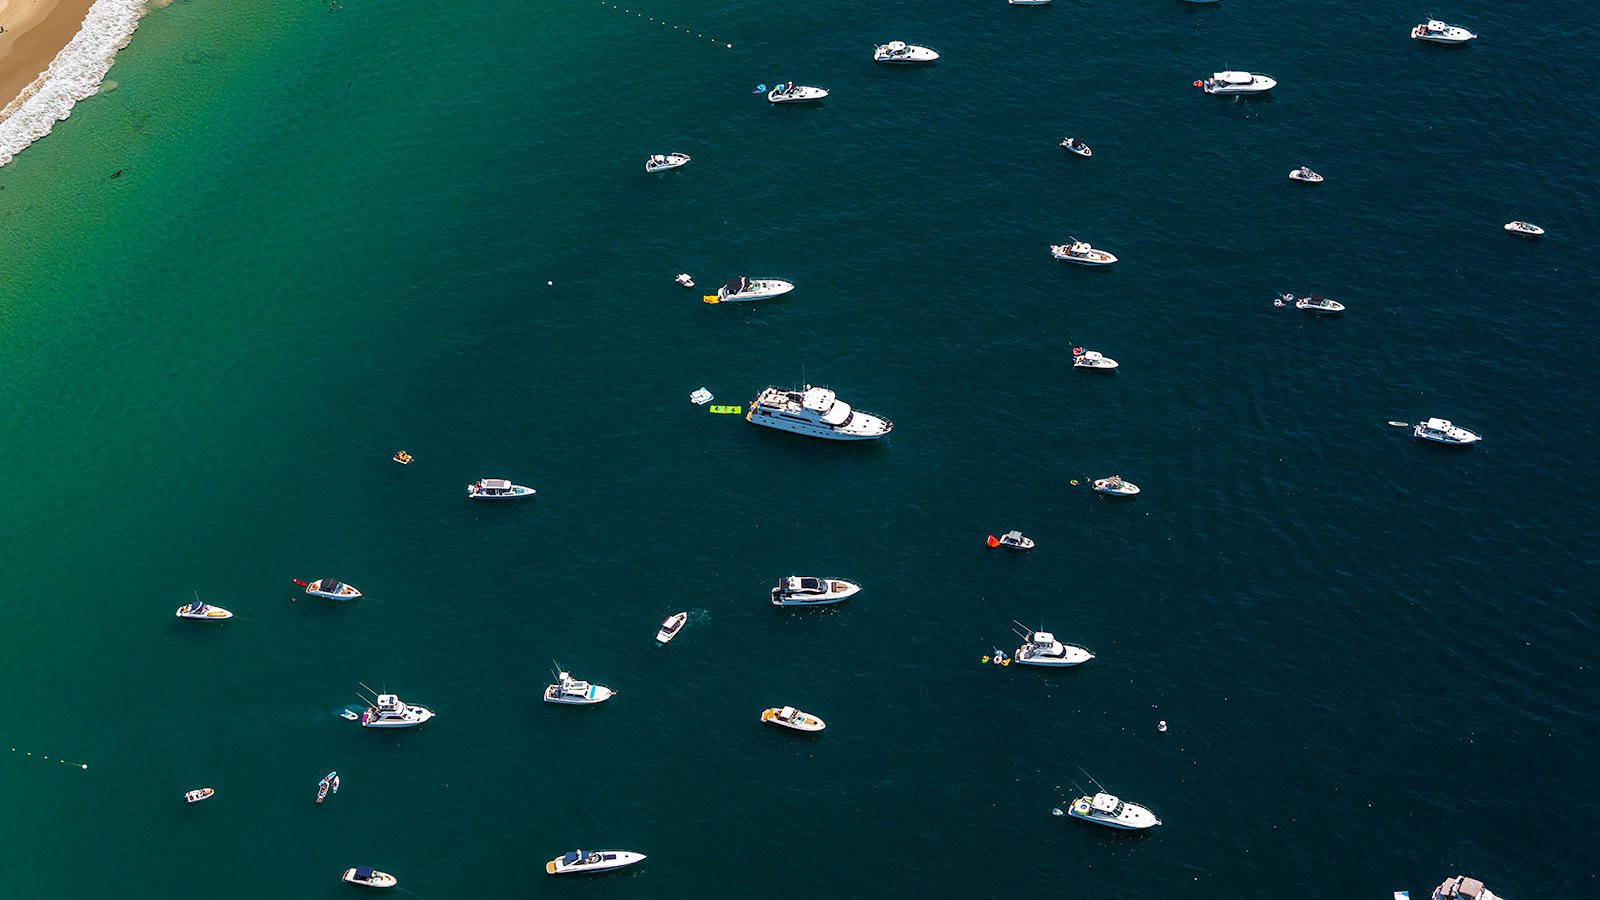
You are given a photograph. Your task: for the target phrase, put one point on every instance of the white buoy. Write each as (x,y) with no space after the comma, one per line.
(1163,726)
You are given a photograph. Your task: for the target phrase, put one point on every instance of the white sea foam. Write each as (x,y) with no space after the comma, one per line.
(74,74)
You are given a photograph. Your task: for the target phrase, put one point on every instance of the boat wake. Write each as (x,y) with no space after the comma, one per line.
(74,74)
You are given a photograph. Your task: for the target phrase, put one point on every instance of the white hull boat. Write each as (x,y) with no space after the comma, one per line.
(1523,229)
(1011,540)
(1436,32)
(1076,146)
(1305,175)
(797,590)
(1040,648)
(195,796)
(388,711)
(572,692)
(1092,360)
(740,290)
(1027,2)
(367,876)
(1317,304)
(498,489)
(1460,887)
(203,611)
(579,862)
(1115,487)
(661,163)
(900,53)
(1106,809)
(796,93)
(1237,83)
(669,629)
(814,412)
(791,718)
(1081,253)
(331,588)
(1444,431)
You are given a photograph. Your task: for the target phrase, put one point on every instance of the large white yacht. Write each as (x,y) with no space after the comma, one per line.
(201,610)
(1114,487)
(498,489)
(1237,83)
(1460,886)
(902,54)
(1444,431)
(577,862)
(1109,810)
(1438,32)
(367,876)
(1040,648)
(815,412)
(1081,253)
(578,693)
(387,711)
(804,590)
(740,289)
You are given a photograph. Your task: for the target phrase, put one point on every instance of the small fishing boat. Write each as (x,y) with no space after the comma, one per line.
(1077,146)
(790,92)
(578,862)
(1523,229)
(1081,253)
(367,876)
(1437,32)
(1093,360)
(804,590)
(661,163)
(669,628)
(498,489)
(195,796)
(1319,305)
(1115,487)
(1011,540)
(332,588)
(1040,648)
(389,711)
(571,691)
(1444,431)
(684,279)
(203,611)
(329,782)
(789,717)
(901,53)
(1306,175)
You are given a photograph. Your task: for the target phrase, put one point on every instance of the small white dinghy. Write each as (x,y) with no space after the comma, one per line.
(1115,487)
(1444,431)
(498,489)
(367,876)
(790,92)
(1077,146)
(198,794)
(1317,304)
(789,717)
(661,163)
(572,692)
(1092,360)
(1011,540)
(578,862)
(331,588)
(203,611)
(1081,253)
(1523,229)
(684,279)
(1437,32)
(670,628)
(900,53)
(1304,174)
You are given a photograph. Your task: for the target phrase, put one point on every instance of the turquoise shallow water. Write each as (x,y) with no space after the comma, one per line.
(332,239)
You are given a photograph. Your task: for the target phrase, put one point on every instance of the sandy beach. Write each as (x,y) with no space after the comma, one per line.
(35,31)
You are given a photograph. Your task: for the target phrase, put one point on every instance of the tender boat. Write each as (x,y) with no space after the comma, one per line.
(498,489)
(660,163)
(1444,431)
(1438,32)
(367,876)
(1237,83)
(332,588)
(195,796)
(1115,486)
(1011,540)
(670,628)
(801,590)
(1306,175)
(387,711)
(740,289)
(902,53)
(814,412)
(1319,305)
(329,782)
(573,692)
(1524,229)
(1077,146)
(1107,809)
(684,279)
(1040,648)
(203,611)
(789,717)
(795,93)
(1092,359)
(1460,887)
(1081,253)
(1027,2)
(578,862)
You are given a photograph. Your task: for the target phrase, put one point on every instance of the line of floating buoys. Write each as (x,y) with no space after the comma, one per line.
(57,760)
(685,29)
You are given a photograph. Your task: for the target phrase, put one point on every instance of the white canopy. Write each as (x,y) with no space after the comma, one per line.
(1234,77)
(897,46)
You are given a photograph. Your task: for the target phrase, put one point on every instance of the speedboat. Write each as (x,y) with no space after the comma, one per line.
(1460,886)
(740,289)
(571,691)
(1077,146)
(800,590)
(1438,32)
(1444,431)
(1011,540)
(1092,359)
(902,53)
(1524,229)
(659,163)
(1319,305)
(329,782)
(795,93)
(669,629)
(204,611)
(814,412)
(1040,648)
(195,796)
(367,876)
(1027,2)
(1107,809)
(789,717)
(387,711)
(1115,486)
(498,489)
(332,588)
(1081,253)
(1306,175)
(577,862)
(684,279)
(1237,83)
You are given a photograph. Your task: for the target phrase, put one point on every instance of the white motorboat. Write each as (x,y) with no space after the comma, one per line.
(198,794)
(573,692)
(1081,253)
(670,628)
(331,588)
(1319,305)
(1460,887)
(367,876)
(661,163)
(1109,810)
(1200,2)
(804,590)
(1523,229)
(1077,146)
(684,279)
(901,53)
(1011,540)
(1027,2)
(1093,360)
(203,611)
(1237,83)
(1115,487)
(790,92)
(1306,175)
(387,711)
(789,717)
(577,862)
(814,412)
(1040,648)
(1444,431)
(1438,32)
(740,289)
(498,489)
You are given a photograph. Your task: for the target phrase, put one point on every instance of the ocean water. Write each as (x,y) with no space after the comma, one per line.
(336,235)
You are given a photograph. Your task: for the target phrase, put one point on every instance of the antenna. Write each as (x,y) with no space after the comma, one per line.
(1025,634)
(1097,784)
